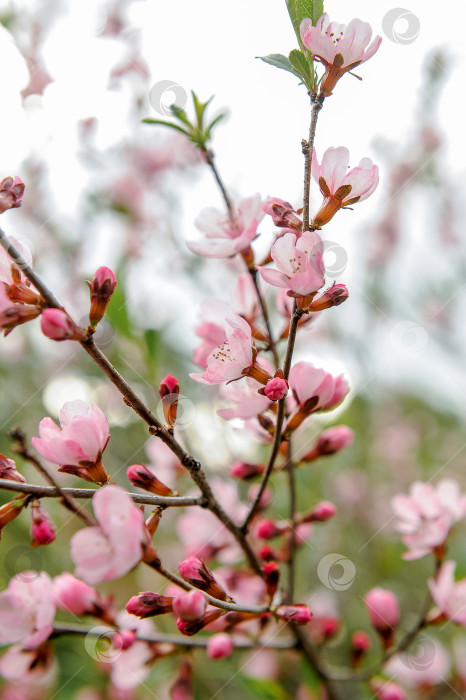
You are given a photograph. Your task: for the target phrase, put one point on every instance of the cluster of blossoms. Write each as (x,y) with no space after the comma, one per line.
(230,570)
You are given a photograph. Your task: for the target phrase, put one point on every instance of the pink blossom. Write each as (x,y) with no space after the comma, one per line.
(339,187)
(189,606)
(220,646)
(245,300)
(314,390)
(245,470)
(230,359)
(300,264)
(76,446)
(334,439)
(386,690)
(338,47)
(130,667)
(249,403)
(426,516)
(13,314)
(102,287)
(27,610)
(383,610)
(226,238)
(448,595)
(297,613)
(42,530)
(211,329)
(113,548)
(75,596)
(425,666)
(27,668)
(11,193)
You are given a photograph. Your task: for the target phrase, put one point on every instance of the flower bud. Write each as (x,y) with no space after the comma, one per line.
(42,529)
(384,612)
(275,389)
(266,553)
(123,639)
(360,644)
(8,470)
(220,646)
(9,511)
(194,626)
(283,214)
(189,606)
(153,521)
(331,441)
(195,572)
(268,529)
(11,193)
(168,391)
(182,688)
(149,604)
(246,471)
(57,325)
(75,596)
(298,613)
(271,576)
(102,287)
(322,512)
(143,478)
(334,296)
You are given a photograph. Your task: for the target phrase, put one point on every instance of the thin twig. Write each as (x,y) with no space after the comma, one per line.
(209,158)
(265,313)
(290,470)
(317,102)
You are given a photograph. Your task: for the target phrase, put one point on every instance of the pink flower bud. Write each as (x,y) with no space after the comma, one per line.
(334,439)
(189,606)
(168,391)
(123,639)
(194,626)
(142,477)
(276,388)
(57,325)
(271,576)
(386,690)
(246,471)
(268,529)
(149,604)
(298,613)
(42,529)
(266,553)
(283,214)
(220,646)
(195,572)
(360,641)
(75,596)
(320,513)
(8,470)
(182,688)
(383,610)
(334,296)
(11,193)
(102,287)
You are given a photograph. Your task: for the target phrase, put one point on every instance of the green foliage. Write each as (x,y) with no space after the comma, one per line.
(264,688)
(195,130)
(303,9)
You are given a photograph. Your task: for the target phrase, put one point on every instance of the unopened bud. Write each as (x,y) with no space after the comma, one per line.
(195,572)
(57,325)
(246,471)
(220,646)
(334,296)
(11,193)
(384,612)
(189,606)
(298,613)
(322,512)
(283,214)
(193,627)
(271,576)
(8,470)
(331,441)
(9,511)
(360,645)
(275,389)
(102,287)
(169,390)
(42,530)
(149,604)
(268,529)
(143,478)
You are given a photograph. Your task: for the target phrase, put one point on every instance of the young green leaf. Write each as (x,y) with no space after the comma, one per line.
(200,108)
(214,122)
(299,10)
(279,61)
(318,11)
(180,114)
(301,65)
(148,120)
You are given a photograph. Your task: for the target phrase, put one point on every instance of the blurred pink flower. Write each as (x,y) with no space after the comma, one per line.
(11,193)
(75,596)
(386,690)
(27,610)
(224,237)
(339,187)
(249,403)
(300,264)
(383,609)
(427,666)
(29,669)
(426,516)
(76,446)
(448,595)
(338,47)
(220,646)
(107,552)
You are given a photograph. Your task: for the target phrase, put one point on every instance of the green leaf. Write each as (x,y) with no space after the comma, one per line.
(317,11)
(164,123)
(200,108)
(301,65)
(180,114)
(264,689)
(299,10)
(214,122)
(279,61)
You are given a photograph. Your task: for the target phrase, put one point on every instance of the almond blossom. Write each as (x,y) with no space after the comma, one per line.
(339,187)
(226,237)
(426,516)
(27,610)
(76,446)
(116,545)
(234,358)
(448,595)
(300,264)
(338,47)
(248,403)
(314,390)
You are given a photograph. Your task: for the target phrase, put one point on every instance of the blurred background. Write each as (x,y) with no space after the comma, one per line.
(104,189)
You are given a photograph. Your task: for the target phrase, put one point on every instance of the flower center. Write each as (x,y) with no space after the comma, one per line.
(224,353)
(335,37)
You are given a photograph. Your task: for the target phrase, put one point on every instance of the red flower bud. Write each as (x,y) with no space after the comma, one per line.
(298,613)
(168,391)
(149,604)
(195,572)
(193,627)
(57,325)
(142,477)
(246,471)
(102,287)
(334,296)
(271,575)
(42,529)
